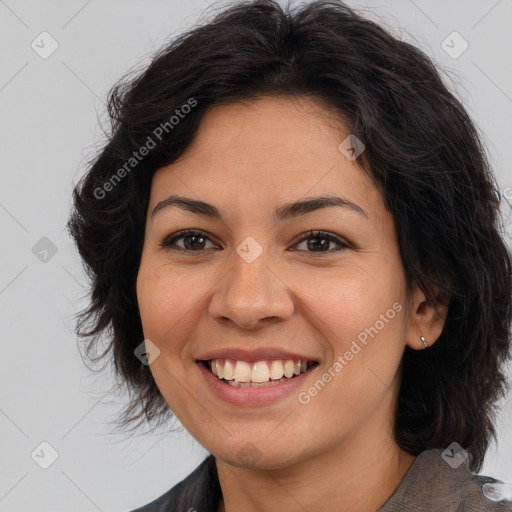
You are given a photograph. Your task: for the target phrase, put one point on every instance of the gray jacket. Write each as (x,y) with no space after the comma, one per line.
(430,485)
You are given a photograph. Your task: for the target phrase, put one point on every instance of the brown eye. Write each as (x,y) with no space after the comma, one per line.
(319,241)
(193,241)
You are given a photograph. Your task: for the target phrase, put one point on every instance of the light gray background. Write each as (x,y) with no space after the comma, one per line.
(50,110)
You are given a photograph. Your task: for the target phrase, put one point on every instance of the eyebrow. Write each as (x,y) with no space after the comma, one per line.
(281,213)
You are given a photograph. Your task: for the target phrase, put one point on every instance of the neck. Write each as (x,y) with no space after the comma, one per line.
(355,477)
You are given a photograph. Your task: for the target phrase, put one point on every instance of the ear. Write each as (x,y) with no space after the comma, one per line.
(425,318)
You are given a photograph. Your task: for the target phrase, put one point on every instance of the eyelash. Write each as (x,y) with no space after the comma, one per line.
(169,241)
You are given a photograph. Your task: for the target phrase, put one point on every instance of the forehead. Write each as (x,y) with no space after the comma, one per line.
(266,151)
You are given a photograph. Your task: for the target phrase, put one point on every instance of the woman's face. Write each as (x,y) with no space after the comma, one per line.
(253,286)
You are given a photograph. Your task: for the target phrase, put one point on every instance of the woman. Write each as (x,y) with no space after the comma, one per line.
(294,241)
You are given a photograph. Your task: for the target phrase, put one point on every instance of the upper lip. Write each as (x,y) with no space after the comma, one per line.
(253,355)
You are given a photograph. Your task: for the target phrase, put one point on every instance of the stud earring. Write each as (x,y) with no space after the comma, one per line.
(424,341)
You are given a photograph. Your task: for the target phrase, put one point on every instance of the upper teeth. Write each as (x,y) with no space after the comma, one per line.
(260,371)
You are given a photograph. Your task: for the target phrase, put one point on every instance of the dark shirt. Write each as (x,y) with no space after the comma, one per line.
(430,485)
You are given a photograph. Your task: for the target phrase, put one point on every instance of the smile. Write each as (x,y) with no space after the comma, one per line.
(257,373)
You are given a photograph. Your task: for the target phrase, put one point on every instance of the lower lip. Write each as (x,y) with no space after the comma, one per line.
(252,396)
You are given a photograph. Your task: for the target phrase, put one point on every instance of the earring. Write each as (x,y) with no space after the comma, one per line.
(424,341)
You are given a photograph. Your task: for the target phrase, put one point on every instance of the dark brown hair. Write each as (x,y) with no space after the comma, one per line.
(422,150)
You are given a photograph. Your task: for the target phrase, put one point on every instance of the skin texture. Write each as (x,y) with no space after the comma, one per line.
(247,159)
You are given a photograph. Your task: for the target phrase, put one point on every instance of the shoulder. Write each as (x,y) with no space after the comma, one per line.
(199,491)
(434,484)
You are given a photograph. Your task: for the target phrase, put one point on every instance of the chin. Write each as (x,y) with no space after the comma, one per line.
(255,456)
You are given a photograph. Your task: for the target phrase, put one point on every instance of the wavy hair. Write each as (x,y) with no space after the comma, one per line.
(422,150)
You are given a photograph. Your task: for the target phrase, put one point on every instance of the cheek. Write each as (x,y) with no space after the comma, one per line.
(169,301)
(163,311)
(348,299)
(158,305)
(359,311)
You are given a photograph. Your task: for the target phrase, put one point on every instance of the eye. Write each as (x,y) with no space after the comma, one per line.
(193,241)
(322,240)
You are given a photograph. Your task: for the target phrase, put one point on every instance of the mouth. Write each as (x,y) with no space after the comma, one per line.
(257,374)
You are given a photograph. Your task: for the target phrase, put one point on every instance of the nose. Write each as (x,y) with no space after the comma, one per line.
(251,294)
